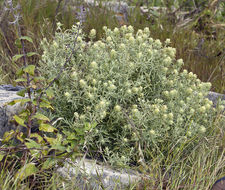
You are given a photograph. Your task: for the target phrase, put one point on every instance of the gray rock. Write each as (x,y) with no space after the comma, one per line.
(6,111)
(214,97)
(87,174)
(9,87)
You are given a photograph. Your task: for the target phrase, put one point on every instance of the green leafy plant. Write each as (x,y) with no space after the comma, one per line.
(127,94)
(35,145)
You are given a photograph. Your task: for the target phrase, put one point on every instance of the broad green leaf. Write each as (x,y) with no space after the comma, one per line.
(37,136)
(21,80)
(22,92)
(59,147)
(8,135)
(31,54)
(41,117)
(19,72)
(19,120)
(24,100)
(50,140)
(29,69)
(45,105)
(47,128)
(26,171)
(49,163)
(32,144)
(36,79)
(16,57)
(26,38)
(18,43)
(50,93)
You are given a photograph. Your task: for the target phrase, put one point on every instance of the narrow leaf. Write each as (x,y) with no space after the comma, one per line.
(31,54)
(26,38)
(21,80)
(1,156)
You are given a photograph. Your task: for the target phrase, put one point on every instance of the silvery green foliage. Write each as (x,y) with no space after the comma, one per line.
(132,87)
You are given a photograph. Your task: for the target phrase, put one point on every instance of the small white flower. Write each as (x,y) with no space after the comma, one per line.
(134,111)
(152,132)
(165,116)
(102,103)
(221,107)
(74,74)
(92,33)
(67,94)
(94,82)
(167,61)
(164,108)
(146,30)
(139,55)
(135,90)
(170,122)
(158,43)
(189,90)
(76,115)
(130,29)
(129,91)
(112,87)
(82,83)
(150,40)
(166,93)
(131,39)
(55,44)
(139,39)
(134,106)
(82,117)
(202,109)
(79,39)
(202,129)
(140,32)
(173,92)
(116,30)
(117,108)
(170,115)
(94,65)
(156,111)
(122,46)
(180,62)
(113,53)
(108,39)
(167,41)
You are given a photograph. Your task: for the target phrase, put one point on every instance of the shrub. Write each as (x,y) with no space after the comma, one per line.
(124,95)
